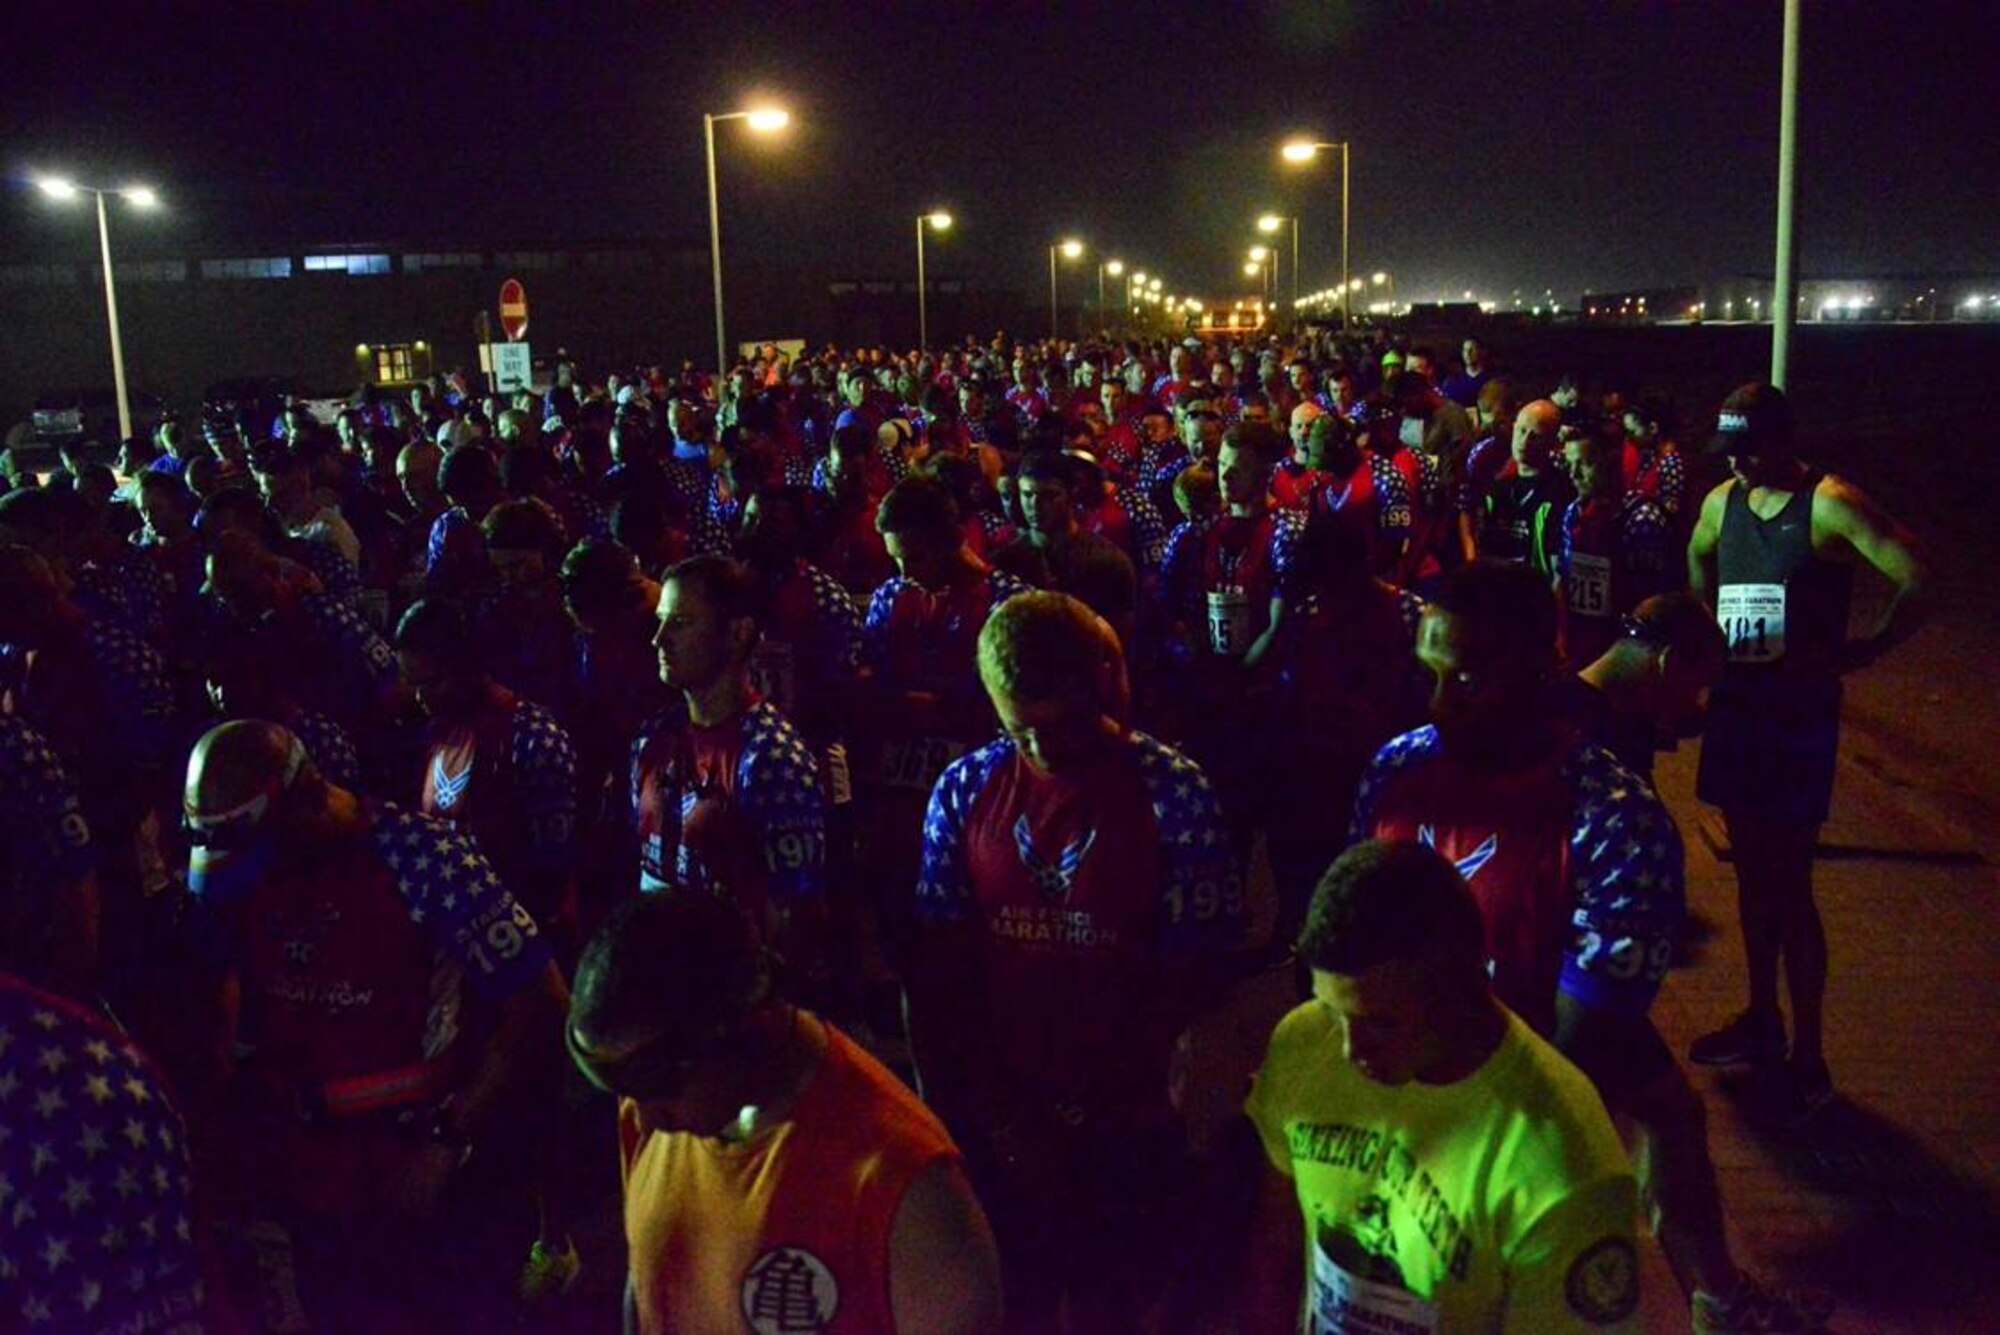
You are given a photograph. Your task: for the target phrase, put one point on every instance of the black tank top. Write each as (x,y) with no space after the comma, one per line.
(1780,605)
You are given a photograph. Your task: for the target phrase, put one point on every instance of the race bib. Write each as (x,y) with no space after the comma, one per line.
(1228,622)
(915,763)
(1753,620)
(1588,586)
(1346,1304)
(774,674)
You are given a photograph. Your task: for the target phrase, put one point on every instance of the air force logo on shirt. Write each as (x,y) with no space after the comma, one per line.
(448,787)
(1055,882)
(1469,865)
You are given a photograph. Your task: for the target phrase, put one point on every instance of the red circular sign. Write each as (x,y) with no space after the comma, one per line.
(513,309)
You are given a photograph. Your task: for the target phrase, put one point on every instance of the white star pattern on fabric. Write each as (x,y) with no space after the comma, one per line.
(72,1200)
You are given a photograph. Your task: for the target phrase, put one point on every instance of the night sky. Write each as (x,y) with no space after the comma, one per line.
(1497,146)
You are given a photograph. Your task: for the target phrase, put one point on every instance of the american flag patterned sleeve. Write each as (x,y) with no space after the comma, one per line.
(454,896)
(367,670)
(142,699)
(1629,888)
(839,624)
(96,1203)
(1396,513)
(1288,528)
(875,626)
(330,749)
(545,770)
(944,895)
(1203,911)
(779,789)
(43,833)
(1395,755)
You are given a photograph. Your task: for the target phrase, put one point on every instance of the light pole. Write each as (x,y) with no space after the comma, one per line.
(941,220)
(1112,267)
(1269,225)
(764,120)
(1302,151)
(1268,259)
(139,197)
(1070,250)
(1384,276)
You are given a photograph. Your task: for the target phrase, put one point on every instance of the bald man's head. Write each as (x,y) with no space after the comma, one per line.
(1535,431)
(417,469)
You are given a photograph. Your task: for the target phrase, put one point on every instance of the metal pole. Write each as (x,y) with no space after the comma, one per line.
(923,321)
(1054,330)
(1346,292)
(1100,293)
(1295,267)
(1784,302)
(715,249)
(111,310)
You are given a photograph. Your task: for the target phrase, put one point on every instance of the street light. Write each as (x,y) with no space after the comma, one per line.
(941,220)
(1070,249)
(1303,151)
(1112,267)
(1269,225)
(1381,277)
(763,120)
(141,197)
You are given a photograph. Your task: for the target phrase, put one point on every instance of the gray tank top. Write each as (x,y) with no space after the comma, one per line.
(1780,605)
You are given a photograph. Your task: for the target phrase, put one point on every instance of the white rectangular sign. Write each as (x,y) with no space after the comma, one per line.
(513,366)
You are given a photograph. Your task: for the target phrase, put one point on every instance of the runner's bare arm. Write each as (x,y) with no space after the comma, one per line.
(522,1054)
(1274,1272)
(1703,541)
(944,1267)
(1845,514)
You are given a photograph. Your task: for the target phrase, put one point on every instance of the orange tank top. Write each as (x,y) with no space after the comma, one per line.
(789,1231)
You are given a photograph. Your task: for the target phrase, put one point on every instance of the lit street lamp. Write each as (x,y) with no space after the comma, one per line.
(941,220)
(1070,250)
(1269,225)
(139,197)
(764,120)
(1303,151)
(1112,267)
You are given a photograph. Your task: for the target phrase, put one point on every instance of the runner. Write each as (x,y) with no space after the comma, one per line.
(1775,550)
(1577,868)
(1458,1174)
(726,797)
(494,765)
(1614,550)
(1522,522)
(1649,686)
(776,1177)
(401,1007)
(1077,895)
(921,637)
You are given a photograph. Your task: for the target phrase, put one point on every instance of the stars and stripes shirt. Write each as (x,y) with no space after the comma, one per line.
(44,839)
(140,723)
(1576,864)
(96,1202)
(329,748)
(356,666)
(735,809)
(1079,886)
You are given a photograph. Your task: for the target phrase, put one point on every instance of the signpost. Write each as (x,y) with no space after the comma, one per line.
(513,310)
(513,367)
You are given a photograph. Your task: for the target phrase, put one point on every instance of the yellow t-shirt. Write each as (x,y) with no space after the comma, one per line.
(1502,1202)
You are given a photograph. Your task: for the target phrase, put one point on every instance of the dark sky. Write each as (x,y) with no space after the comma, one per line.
(1497,146)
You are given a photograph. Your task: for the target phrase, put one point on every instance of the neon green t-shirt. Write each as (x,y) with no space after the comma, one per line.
(1502,1202)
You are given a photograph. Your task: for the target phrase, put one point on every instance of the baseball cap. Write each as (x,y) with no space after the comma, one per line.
(1753,414)
(230,850)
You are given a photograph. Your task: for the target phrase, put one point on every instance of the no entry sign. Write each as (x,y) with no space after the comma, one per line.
(513,309)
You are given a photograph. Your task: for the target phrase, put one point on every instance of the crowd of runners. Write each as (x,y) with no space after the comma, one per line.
(836,795)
